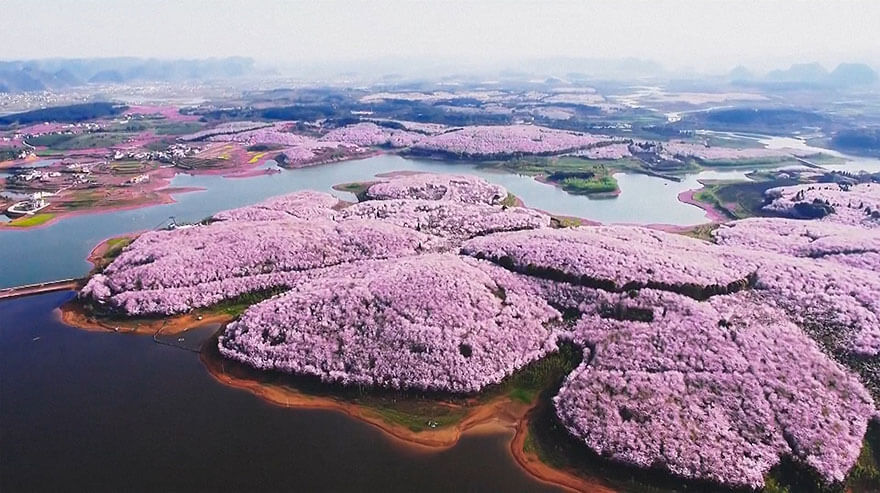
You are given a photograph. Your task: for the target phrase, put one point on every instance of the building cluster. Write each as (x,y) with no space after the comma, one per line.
(172,155)
(37,175)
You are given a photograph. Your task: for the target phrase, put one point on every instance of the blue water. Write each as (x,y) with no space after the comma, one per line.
(59,250)
(99,411)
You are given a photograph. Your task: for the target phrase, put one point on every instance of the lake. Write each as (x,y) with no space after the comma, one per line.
(111,412)
(59,250)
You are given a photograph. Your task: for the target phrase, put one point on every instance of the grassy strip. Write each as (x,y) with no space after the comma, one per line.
(359,189)
(31,221)
(510,201)
(702,232)
(604,184)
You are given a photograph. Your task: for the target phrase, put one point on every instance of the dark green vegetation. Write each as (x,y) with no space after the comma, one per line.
(585,182)
(115,246)
(9,153)
(359,189)
(702,232)
(264,147)
(859,141)
(177,128)
(69,114)
(573,174)
(49,140)
(31,221)
(65,142)
(510,201)
(762,120)
(541,377)
(739,200)
(236,306)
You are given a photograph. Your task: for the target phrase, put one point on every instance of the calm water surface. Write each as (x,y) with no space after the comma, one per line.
(59,250)
(112,412)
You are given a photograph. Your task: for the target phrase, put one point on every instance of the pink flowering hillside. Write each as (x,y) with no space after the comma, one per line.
(855,246)
(477,142)
(432,322)
(448,219)
(167,272)
(610,151)
(715,390)
(848,204)
(497,141)
(431,186)
(716,153)
(370,134)
(840,304)
(301,205)
(618,258)
(712,361)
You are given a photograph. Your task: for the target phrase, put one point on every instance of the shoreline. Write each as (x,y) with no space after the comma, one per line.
(712,213)
(74,315)
(533,465)
(166,193)
(496,414)
(500,411)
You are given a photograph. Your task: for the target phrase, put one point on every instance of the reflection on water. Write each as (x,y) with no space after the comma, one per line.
(112,412)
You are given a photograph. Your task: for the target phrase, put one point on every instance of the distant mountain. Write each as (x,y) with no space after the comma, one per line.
(70,113)
(107,76)
(810,73)
(57,73)
(846,75)
(853,74)
(64,78)
(740,73)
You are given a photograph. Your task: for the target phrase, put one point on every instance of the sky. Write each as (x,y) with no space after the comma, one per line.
(702,34)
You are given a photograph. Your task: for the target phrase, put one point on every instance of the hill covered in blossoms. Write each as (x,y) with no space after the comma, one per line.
(709,360)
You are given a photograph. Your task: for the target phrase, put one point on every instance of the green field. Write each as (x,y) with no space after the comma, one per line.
(92,140)
(604,184)
(31,221)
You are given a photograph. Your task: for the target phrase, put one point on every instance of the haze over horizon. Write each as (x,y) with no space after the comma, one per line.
(709,37)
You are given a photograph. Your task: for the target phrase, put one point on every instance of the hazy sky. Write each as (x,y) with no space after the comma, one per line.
(705,34)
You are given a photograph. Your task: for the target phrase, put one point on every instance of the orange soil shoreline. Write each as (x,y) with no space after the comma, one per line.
(501,411)
(74,315)
(714,214)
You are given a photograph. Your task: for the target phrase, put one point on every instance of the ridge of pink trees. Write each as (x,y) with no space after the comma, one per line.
(618,258)
(474,141)
(432,186)
(851,245)
(169,272)
(621,258)
(709,153)
(447,219)
(716,390)
(857,204)
(431,322)
(306,204)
